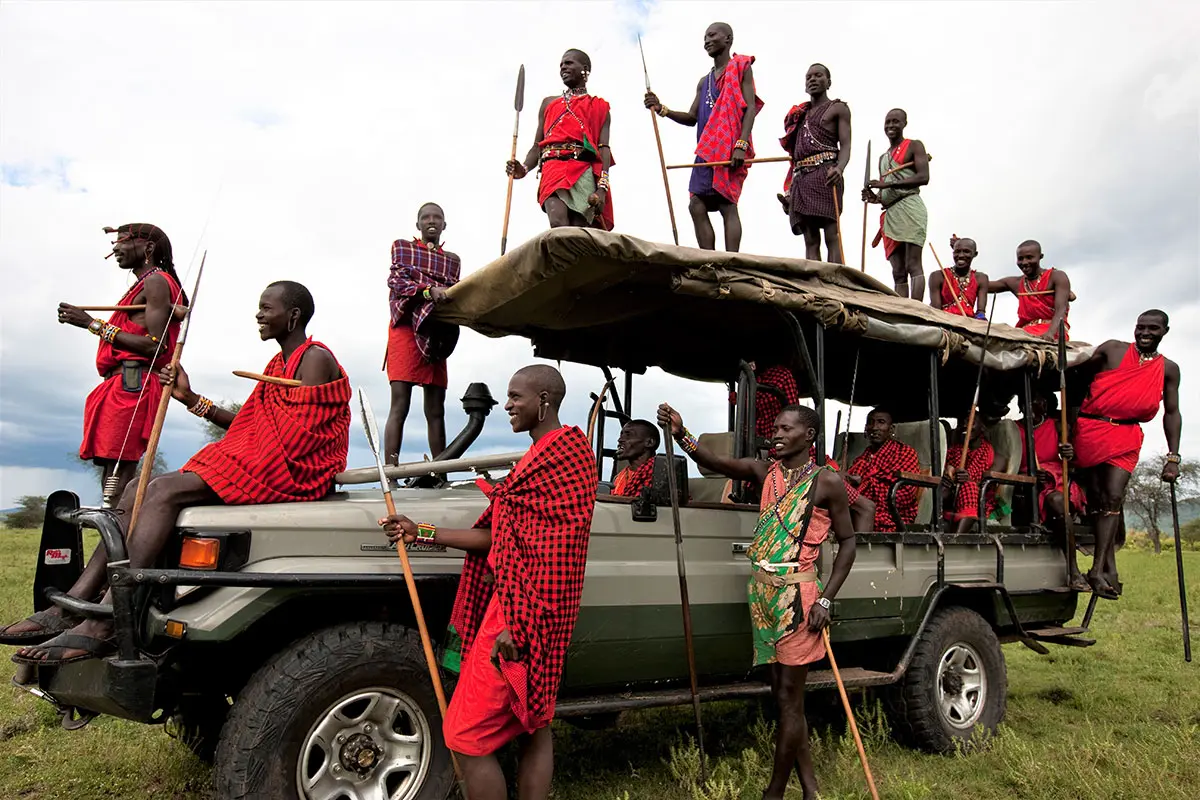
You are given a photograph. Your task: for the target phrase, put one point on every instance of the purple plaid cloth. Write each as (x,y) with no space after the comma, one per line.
(810,195)
(414,267)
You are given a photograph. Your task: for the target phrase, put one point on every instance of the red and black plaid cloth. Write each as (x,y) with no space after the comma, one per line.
(285,444)
(966,495)
(415,267)
(878,469)
(767,405)
(724,128)
(630,482)
(540,517)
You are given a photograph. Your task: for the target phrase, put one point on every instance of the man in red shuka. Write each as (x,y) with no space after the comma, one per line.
(961,290)
(118,414)
(418,345)
(1133,379)
(960,487)
(636,445)
(1043,295)
(571,150)
(874,472)
(723,113)
(286,444)
(519,592)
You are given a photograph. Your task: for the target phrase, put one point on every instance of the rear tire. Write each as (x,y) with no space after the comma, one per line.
(957,683)
(348,706)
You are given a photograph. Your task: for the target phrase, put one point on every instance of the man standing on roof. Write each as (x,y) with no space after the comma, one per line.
(636,445)
(571,150)
(1132,379)
(801,503)
(961,290)
(817,137)
(519,594)
(119,413)
(1043,295)
(875,471)
(723,112)
(903,170)
(418,346)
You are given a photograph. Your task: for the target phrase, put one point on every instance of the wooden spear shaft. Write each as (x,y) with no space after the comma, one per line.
(766,160)
(966,445)
(662,160)
(163,401)
(862,753)
(178,311)
(255,376)
(837,215)
(953,284)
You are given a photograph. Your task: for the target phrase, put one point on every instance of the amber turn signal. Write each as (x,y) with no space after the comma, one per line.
(176,629)
(199,553)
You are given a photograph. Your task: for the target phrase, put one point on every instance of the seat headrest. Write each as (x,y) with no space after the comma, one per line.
(718,443)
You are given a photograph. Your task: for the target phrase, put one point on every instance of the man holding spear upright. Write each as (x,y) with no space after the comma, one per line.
(903,170)
(723,113)
(118,413)
(571,151)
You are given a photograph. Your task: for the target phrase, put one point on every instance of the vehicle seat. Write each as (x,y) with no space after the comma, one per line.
(713,487)
(916,436)
(1005,437)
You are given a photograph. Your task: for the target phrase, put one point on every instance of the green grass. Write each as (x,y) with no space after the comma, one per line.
(1118,720)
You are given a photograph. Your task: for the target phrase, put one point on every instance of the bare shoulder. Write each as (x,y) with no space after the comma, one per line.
(1058,277)
(317,365)
(829,486)
(981,276)
(1170,369)
(916,146)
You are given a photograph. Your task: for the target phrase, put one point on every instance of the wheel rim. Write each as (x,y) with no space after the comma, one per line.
(961,686)
(373,744)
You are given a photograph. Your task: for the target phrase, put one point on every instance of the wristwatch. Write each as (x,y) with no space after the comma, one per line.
(824,603)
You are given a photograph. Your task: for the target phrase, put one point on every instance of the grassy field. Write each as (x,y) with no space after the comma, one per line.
(1115,721)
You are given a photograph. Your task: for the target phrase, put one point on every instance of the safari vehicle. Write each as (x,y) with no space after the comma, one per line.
(278,639)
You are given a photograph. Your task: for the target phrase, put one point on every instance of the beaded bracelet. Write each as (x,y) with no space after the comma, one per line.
(741,144)
(687,442)
(603,182)
(109,334)
(1174,458)
(96,326)
(428,295)
(663,110)
(426,532)
(201,407)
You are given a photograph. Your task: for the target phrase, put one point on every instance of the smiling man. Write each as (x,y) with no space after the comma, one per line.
(519,593)
(118,415)
(419,345)
(1043,295)
(874,472)
(723,113)
(286,444)
(636,445)
(801,503)
(571,151)
(903,223)
(961,290)
(1132,380)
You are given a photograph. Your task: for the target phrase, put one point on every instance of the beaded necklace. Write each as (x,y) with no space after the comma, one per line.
(792,478)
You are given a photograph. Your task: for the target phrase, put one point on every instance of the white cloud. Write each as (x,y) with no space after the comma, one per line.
(17,482)
(302,139)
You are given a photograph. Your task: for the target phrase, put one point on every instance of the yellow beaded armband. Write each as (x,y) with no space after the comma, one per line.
(201,407)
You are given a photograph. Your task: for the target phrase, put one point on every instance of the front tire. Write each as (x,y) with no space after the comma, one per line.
(957,682)
(348,711)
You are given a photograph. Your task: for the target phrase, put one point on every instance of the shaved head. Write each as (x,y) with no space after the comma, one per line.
(544,378)
(1031,243)
(723,27)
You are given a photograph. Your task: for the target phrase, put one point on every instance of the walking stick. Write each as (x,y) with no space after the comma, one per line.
(372,429)
(1187,633)
(966,447)
(518,104)
(662,162)
(1068,523)
(763,160)
(953,289)
(862,259)
(837,215)
(163,401)
(255,376)
(669,446)
(849,412)
(862,753)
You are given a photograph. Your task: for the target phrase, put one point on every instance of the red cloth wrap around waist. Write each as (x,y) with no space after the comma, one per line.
(724,128)
(952,293)
(585,117)
(285,444)
(1045,450)
(116,422)
(540,517)
(1035,305)
(1132,391)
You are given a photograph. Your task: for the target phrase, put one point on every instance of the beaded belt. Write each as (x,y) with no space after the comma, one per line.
(815,160)
(1044,322)
(1109,420)
(560,152)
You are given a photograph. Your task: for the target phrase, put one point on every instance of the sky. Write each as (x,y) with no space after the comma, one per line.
(297,141)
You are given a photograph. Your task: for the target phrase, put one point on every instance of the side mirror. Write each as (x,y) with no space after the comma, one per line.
(660,486)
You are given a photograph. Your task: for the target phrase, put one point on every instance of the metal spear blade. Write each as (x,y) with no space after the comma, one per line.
(372,429)
(867,174)
(187,318)
(645,71)
(519,100)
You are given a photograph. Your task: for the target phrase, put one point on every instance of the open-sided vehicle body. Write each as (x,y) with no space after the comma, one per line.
(293,652)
